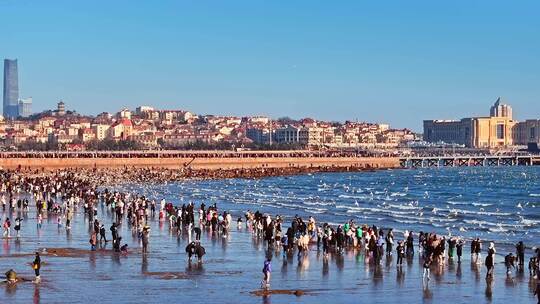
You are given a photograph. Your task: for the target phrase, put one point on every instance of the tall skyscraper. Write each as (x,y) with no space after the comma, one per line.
(11,89)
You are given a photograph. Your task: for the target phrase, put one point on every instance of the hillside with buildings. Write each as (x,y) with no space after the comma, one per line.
(150,128)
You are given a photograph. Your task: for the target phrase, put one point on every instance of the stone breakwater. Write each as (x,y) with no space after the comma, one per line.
(308,164)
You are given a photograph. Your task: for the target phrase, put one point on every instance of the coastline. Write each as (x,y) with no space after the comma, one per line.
(310,164)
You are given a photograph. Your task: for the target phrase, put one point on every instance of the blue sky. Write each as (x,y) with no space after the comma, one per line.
(384,61)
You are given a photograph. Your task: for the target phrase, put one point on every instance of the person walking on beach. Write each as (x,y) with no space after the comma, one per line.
(145,239)
(7,228)
(39,221)
(459,249)
(389,242)
(537,291)
(410,244)
(17,227)
(36,265)
(400,250)
(267,270)
(478,251)
(102,234)
(93,241)
(69,217)
(426,268)
(284,244)
(490,261)
(114,231)
(200,252)
(520,253)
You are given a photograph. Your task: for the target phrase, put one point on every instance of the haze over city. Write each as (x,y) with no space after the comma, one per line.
(379,62)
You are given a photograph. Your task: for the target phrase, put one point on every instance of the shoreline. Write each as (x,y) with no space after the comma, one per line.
(203,162)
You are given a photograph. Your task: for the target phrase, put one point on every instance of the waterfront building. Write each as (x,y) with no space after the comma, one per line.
(11,89)
(527,132)
(259,135)
(495,131)
(291,135)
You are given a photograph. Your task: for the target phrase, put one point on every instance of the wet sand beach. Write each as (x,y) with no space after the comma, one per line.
(231,273)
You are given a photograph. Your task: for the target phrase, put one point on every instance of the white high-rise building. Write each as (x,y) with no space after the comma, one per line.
(25,107)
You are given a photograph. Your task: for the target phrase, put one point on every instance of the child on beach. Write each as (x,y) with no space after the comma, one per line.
(39,221)
(267,269)
(36,265)
(426,266)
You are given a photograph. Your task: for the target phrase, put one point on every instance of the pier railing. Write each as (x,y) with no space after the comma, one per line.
(469,161)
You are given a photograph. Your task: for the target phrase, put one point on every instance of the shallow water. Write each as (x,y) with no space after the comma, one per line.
(501,204)
(232,267)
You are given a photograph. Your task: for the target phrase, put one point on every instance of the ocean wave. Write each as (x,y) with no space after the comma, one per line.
(482,204)
(354,196)
(398,194)
(489,213)
(318,203)
(404,207)
(498,229)
(528,223)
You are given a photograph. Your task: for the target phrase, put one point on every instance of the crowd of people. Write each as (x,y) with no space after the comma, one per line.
(62,193)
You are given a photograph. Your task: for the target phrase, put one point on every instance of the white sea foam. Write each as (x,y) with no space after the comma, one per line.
(482,204)
(497,229)
(404,207)
(529,223)
(398,194)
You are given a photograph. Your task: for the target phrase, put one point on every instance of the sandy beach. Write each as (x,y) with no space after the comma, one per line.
(230,273)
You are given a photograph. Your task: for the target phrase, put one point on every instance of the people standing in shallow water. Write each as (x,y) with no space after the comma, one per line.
(459,249)
(18,222)
(145,239)
(509,263)
(196,249)
(478,250)
(7,228)
(426,268)
(345,235)
(389,242)
(102,236)
(532,266)
(267,271)
(520,254)
(93,241)
(410,244)
(36,265)
(400,250)
(490,261)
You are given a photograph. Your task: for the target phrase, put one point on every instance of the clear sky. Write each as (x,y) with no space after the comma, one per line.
(383,61)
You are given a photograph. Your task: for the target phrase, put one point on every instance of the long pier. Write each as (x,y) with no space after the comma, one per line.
(197,160)
(469,161)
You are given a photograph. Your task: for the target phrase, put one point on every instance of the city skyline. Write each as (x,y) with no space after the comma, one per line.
(391,64)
